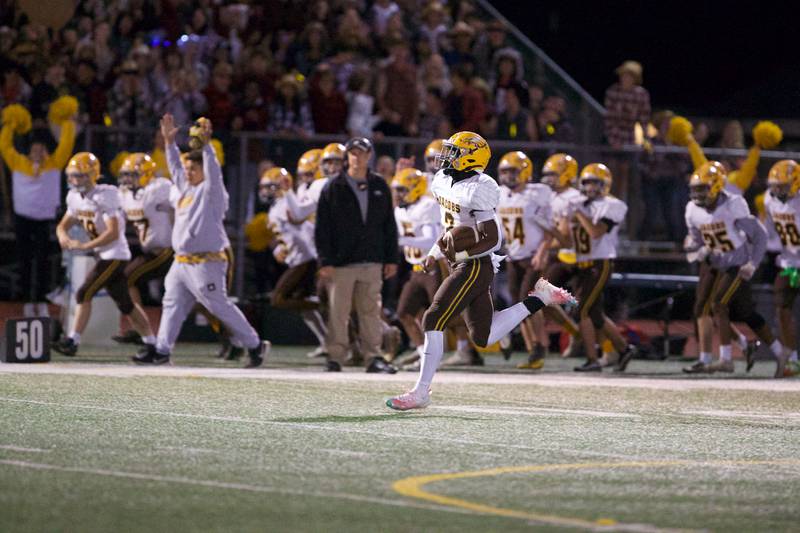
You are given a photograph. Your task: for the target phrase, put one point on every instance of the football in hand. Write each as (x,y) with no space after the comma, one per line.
(458,239)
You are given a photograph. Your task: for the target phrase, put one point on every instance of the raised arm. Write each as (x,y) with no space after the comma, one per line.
(743,177)
(14,159)
(66,143)
(168,131)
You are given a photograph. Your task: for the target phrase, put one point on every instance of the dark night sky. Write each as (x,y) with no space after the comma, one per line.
(718,59)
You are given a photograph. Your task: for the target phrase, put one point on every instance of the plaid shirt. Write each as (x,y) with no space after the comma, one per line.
(623,110)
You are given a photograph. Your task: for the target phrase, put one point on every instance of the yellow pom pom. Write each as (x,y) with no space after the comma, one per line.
(18,117)
(217,146)
(767,134)
(116,163)
(679,131)
(258,232)
(63,108)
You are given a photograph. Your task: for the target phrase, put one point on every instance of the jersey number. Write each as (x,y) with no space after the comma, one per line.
(90,228)
(141,228)
(582,240)
(449,221)
(518,231)
(788,233)
(718,240)
(411,253)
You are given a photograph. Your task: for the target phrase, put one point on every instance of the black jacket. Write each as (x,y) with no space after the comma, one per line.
(340,234)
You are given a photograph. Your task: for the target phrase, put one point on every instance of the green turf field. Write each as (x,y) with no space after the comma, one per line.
(96,444)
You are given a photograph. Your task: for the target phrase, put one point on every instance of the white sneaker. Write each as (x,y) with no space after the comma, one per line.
(409,400)
(42,310)
(319,351)
(549,294)
(29,310)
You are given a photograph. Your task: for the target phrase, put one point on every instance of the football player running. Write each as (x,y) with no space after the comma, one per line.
(145,202)
(595,219)
(782,204)
(729,243)
(560,173)
(526,218)
(468,197)
(97,208)
(293,246)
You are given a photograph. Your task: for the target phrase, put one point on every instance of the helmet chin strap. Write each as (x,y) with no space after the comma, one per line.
(459,175)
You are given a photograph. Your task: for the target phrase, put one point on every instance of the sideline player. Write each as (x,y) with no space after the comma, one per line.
(526,218)
(145,202)
(782,204)
(198,273)
(293,246)
(595,220)
(560,173)
(97,209)
(729,243)
(468,197)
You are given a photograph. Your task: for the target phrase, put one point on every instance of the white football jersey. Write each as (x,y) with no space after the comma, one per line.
(410,223)
(717,228)
(150,212)
(786,223)
(524,216)
(467,202)
(609,208)
(561,201)
(94,210)
(296,239)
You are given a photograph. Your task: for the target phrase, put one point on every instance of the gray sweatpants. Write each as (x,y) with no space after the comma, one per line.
(204,283)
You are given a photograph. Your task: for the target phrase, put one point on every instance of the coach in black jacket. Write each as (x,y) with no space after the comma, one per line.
(356,240)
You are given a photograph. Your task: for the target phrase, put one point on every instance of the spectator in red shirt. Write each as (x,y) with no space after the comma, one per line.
(627,103)
(465,107)
(221,106)
(398,101)
(328,105)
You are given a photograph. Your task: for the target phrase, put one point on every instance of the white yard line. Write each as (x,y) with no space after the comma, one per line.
(232,486)
(21,449)
(742,414)
(547,380)
(534,411)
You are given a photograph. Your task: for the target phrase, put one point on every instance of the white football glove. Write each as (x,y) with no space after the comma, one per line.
(747,270)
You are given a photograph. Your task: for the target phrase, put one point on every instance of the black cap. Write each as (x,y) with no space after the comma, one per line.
(362,143)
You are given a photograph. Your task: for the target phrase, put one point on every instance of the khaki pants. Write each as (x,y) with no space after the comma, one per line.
(356,286)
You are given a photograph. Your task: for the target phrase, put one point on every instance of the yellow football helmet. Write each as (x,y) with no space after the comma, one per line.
(559,171)
(707,182)
(409,185)
(332,160)
(514,168)
(273,183)
(82,164)
(595,180)
(784,179)
(137,170)
(464,150)
(431,153)
(309,165)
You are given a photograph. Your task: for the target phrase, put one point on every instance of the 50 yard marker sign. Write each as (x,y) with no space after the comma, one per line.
(27,340)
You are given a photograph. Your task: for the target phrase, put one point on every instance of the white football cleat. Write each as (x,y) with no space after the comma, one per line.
(549,294)
(409,400)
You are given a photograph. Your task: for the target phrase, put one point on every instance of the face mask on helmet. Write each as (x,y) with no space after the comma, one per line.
(79,181)
(446,156)
(305,177)
(400,195)
(700,194)
(509,176)
(592,188)
(779,190)
(331,167)
(267,192)
(550,179)
(129,179)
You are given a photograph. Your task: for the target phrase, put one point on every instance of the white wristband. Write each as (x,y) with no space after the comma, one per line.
(462,255)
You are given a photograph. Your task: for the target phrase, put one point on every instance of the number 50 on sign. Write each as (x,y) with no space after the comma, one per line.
(27,341)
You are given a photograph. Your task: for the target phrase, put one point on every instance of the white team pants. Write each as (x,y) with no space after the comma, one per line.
(205,283)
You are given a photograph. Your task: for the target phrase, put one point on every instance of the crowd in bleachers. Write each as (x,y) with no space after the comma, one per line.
(388,67)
